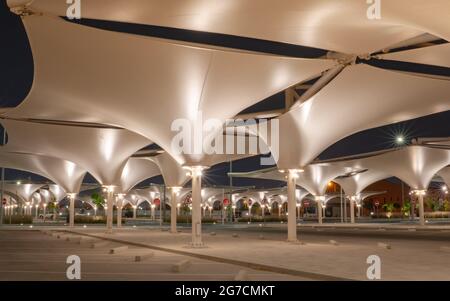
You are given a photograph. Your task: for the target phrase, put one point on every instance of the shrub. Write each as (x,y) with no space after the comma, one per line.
(437,214)
(18,219)
(446,205)
(186,219)
(385,215)
(80,219)
(267,219)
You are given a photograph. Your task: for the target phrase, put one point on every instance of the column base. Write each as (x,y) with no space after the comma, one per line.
(295,242)
(196,245)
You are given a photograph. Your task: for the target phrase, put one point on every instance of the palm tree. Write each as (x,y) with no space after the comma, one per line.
(97,199)
(389,207)
(406,208)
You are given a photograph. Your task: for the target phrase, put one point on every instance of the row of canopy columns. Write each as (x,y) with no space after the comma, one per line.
(292,177)
(110,208)
(352,209)
(120,197)
(71,209)
(173,209)
(420,194)
(196,176)
(292,204)
(109,212)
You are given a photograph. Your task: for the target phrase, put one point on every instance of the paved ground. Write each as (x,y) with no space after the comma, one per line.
(32,255)
(415,253)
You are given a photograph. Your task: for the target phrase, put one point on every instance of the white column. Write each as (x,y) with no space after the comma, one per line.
(152,206)
(196,207)
(421,193)
(292,206)
(72,210)
(173,209)
(45,211)
(352,209)
(36,211)
(110,210)
(120,197)
(134,211)
(319,200)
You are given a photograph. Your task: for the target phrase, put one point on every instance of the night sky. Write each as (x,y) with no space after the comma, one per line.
(16,76)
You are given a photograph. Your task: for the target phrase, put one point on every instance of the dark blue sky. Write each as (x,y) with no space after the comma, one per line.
(16,75)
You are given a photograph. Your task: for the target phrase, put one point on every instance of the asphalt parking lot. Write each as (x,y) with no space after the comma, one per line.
(34,255)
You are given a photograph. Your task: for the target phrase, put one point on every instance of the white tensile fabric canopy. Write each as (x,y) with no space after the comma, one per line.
(415,165)
(445,175)
(102,152)
(209,193)
(354,185)
(314,178)
(367,194)
(144,84)
(359,98)
(23,191)
(57,191)
(135,171)
(146,194)
(259,195)
(65,174)
(176,176)
(438,55)
(173,173)
(334,25)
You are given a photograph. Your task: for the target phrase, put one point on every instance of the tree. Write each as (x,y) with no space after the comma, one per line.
(432,204)
(406,208)
(389,208)
(51,206)
(97,199)
(446,205)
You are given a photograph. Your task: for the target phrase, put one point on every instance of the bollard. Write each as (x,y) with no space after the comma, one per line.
(384,245)
(181,266)
(139,258)
(118,249)
(99,244)
(242,275)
